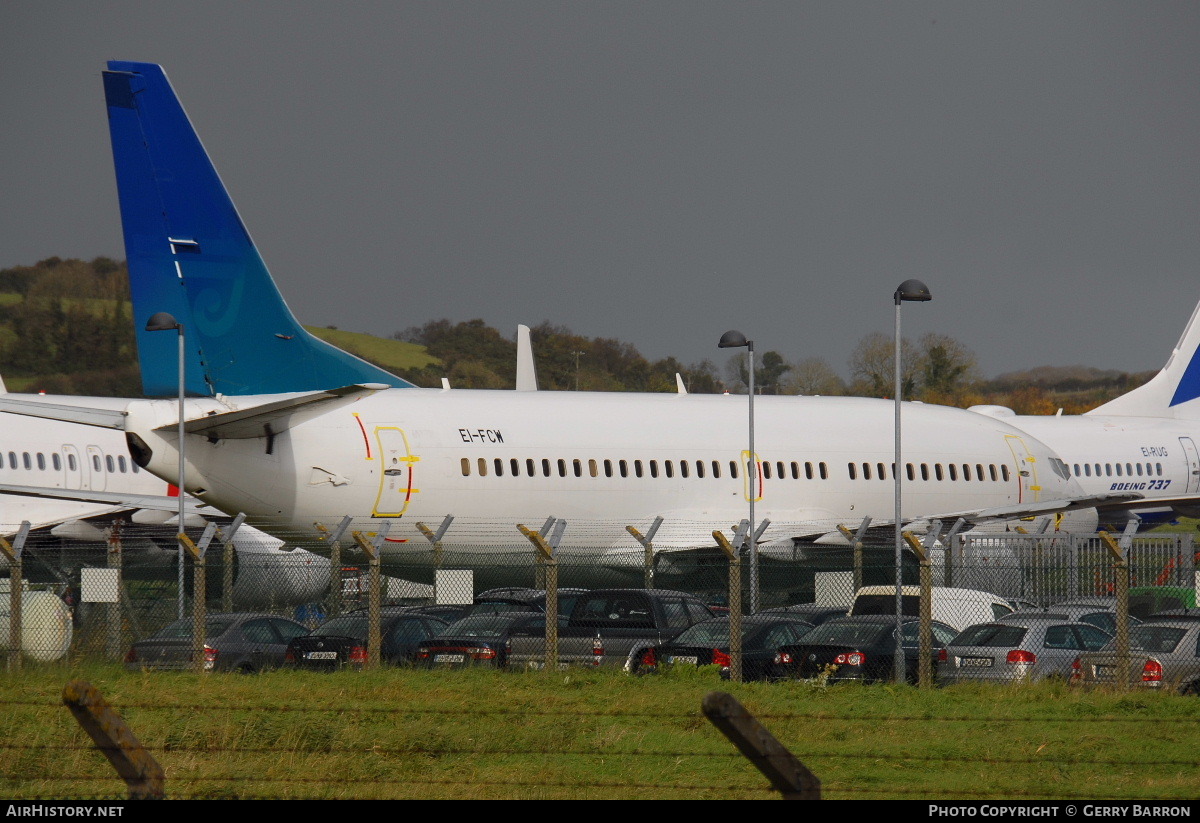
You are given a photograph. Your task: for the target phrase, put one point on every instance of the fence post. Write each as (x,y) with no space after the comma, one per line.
(136,766)
(1121,584)
(735,600)
(648,545)
(227,560)
(548,564)
(788,776)
(371,547)
(435,538)
(335,562)
(925,629)
(856,543)
(199,591)
(112,611)
(12,551)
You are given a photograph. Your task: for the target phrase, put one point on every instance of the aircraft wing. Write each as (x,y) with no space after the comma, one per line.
(115,501)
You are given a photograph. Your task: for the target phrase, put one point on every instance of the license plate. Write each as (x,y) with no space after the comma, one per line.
(449,658)
(320,655)
(692,659)
(1106,671)
(976,663)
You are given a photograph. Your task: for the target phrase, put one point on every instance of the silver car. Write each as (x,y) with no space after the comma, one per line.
(1164,655)
(1018,648)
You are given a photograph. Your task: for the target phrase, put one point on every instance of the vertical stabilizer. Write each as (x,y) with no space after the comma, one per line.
(526,375)
(1174,391)
(190,255)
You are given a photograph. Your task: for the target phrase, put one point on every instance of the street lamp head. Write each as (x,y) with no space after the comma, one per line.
(912,291)
(733,340)
(162,321)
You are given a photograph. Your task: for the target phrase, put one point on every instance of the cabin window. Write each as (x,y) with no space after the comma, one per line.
(1158,469)
(808,471)
(882,472)
(824,471)
(637,468)
(529,469)
(1108,470)
(733,470)
(953,471)
(1139,469)
(1078,471)
(2,460)
(716,466)
(71,462)
(1005,474)
(12,460)
(911,471)
(795,470)
(466,467)
(499,464)
(1128,470)
(593,468)
(608,472)
(562,467)
(483,467)
(669,468)
(937,471)
(514,467)
(41,461)
(1118,470)
(683,468)
(1087,469)
(577,467)
(624,468)
(108,462)
(120,462)
(654,468)
(924,471)
(545,467)
(779,469)
(700,468)
(766,470)
(28,462)
(852,470)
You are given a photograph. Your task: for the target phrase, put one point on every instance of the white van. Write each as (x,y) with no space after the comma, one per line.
(955,607)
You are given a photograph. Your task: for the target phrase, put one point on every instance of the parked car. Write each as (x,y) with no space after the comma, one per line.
(956,607)
(860,648)
(233,641)
(707,644)
(1164,655)
(809,612)
(480,639)
(1102,617)
(497,601)
(342,641)
(1025,646)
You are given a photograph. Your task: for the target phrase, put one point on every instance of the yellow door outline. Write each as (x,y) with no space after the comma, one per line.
(746,476)
(396,462)
(1027,479)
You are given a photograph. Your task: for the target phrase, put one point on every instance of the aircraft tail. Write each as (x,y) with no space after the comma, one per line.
(190,255)
(1173,392)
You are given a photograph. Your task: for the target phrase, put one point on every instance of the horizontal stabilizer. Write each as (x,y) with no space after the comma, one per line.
(272,418)
(104,418)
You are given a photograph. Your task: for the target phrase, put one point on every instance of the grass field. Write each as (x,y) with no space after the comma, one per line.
(400,733)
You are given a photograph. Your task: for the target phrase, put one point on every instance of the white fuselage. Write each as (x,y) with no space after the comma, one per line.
(601,461)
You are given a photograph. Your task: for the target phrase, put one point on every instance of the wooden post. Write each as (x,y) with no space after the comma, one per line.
(16,575)
(647,541)
(925,630)
(114,560)
(335,563)
(1121,584)
(374,595)
(788,776)
(198,598)
(735,606)
(140,771)
(549,565)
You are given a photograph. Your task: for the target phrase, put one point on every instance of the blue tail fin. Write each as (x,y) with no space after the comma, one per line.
(190,255)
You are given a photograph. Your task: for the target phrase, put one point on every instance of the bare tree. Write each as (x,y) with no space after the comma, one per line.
(813,376)
(872,370)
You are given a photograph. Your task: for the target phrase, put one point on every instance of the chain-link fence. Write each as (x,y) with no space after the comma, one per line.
(80,598)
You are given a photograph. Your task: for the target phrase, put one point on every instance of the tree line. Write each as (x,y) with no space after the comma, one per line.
(65,328)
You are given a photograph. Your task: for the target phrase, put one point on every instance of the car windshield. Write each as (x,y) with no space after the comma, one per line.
(213,627)
(848,634)
(1155,638)
(348,626)
(991,634)
(484,626)
(711,633)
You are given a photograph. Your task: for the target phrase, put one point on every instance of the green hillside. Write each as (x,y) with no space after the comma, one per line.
(393,355)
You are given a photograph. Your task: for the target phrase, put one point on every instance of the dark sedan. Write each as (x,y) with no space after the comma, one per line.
(342,641)
(707,644)
(481,639)
(233,641)
(861,648)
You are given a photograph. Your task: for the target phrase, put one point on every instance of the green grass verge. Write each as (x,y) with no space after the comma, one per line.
(398,733)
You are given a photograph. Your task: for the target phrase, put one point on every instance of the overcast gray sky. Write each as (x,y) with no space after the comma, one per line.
(660,172)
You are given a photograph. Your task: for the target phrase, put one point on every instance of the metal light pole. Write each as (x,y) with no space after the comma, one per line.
(162,321)
(908,291)
(736,340)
